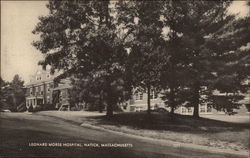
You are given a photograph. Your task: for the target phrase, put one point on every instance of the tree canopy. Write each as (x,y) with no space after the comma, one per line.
(81,38)
(207,40)
(141,20)
(189,50)
(12,93)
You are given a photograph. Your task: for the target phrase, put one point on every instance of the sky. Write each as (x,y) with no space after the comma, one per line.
(18,19)
(18,56)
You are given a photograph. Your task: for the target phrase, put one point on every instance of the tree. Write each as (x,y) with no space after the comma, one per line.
(3,93)
(17,92)
(175,91)
(143,27)
(236,71)
(207,44)
(173,73)
(81,38)
(13,93)
(91,91)
(88,91)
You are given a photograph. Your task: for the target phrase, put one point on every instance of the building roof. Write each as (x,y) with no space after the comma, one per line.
(42,76)
(64,86)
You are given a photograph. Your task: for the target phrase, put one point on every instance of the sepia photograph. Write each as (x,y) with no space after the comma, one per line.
(125,79)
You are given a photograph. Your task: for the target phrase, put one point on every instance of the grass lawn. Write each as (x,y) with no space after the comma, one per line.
(179,128)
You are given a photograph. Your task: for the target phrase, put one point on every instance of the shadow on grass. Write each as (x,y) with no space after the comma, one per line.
(168,122)
(15,143)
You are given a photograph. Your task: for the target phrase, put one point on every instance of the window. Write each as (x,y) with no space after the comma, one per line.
(36,90)
(190,110)
(141,96)
(48,99)
(153,95)
(202,108)
(125,106)
(48,87)
(60,98)
(209,109)
(183,110)
(48,76)
(138,95)
(39,101)
(41,90)
(38,78)
(31,91)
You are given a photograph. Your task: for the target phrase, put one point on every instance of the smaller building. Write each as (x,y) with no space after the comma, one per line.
(138,102)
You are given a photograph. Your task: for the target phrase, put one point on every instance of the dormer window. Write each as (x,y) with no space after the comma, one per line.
(38,78)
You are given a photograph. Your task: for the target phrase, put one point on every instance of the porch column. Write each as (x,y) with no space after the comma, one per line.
(33,102)
(205,108)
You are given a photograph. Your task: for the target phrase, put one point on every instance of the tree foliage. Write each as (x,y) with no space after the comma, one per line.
(141,20)
(190,50)
(207,41)
(81,38)
(12,93)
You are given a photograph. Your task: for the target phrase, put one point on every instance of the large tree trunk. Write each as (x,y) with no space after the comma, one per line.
(172,110)
(109,110)
(149,106)
(196,101)
(14,103)
(110,102)
(171,100)
(100,106)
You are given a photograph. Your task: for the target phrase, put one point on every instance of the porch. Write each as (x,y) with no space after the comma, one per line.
(34,101)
